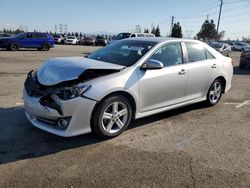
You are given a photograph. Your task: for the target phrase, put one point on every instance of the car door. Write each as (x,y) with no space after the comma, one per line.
(201,70)
(166,86)
(37,40)
(26,42)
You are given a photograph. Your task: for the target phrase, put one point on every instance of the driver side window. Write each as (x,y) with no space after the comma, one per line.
(169,54)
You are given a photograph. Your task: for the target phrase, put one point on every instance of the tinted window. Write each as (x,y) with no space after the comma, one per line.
(140,35)
(124,53)
(170,54)
(133,35)
(196,52)
(148,35)
(39,35)
(29,35)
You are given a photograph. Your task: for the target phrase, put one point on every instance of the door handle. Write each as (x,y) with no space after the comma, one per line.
(183,71)
(214,66)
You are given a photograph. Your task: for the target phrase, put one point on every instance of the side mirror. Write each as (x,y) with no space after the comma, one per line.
(152,64)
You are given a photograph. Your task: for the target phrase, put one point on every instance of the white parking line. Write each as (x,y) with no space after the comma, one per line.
(19,104)
(239,105)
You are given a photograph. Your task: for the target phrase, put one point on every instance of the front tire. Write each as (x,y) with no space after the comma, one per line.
(14,47)
(112,116)
(215,92)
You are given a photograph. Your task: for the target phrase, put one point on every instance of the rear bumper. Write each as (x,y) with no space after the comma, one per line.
(78,110)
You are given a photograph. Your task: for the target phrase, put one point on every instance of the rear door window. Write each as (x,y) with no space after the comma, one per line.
(196,52)
(209,55)
(140,35)
(39,35)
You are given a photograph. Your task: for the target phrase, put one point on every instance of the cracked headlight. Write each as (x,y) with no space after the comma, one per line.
(72,92)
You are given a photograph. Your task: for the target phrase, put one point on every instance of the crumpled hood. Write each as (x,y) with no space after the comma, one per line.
(57,70)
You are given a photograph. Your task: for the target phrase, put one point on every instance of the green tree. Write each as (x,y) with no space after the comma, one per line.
(146,30)
(176,30)
(157,31)
(153,30)
(208,31)
(76,34)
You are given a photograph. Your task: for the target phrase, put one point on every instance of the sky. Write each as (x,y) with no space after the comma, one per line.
(115,16)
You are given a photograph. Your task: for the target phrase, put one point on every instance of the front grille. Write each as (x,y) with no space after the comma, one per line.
(34,89)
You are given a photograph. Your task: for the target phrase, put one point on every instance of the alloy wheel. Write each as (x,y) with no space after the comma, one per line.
(114,117)
(215,92)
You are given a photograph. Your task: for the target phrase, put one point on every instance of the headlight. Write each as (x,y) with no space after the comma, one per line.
(72,92)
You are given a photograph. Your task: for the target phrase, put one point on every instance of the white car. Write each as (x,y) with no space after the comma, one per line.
(71,40)
(130,79)
(122,36)
(240,46)
(58,39)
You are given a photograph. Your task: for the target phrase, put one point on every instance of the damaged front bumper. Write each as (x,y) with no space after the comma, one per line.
(77,112)
(52,114)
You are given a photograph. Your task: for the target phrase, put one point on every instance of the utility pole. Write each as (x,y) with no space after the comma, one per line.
(218,25)
(172,24)
(55,28)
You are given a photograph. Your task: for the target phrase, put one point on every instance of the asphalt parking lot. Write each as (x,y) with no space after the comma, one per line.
(193,146)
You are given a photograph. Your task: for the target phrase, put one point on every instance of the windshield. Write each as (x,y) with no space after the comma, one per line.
(71,37)
(20,36)
(125,53)
(122,36)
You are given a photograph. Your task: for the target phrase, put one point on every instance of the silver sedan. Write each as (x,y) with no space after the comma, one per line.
(127,80)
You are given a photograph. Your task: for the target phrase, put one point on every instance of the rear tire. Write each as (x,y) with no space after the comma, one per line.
(111,117)
(14,47)
(45,47)
(242,66)
(215,92)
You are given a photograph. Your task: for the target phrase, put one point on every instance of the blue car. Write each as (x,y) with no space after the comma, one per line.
(41,41)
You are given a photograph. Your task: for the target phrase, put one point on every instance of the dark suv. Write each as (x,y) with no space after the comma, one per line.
(41,41)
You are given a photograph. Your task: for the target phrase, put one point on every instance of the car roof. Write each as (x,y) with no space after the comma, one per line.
(161,39)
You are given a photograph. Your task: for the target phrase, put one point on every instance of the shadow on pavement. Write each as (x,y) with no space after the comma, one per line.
(20,140)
